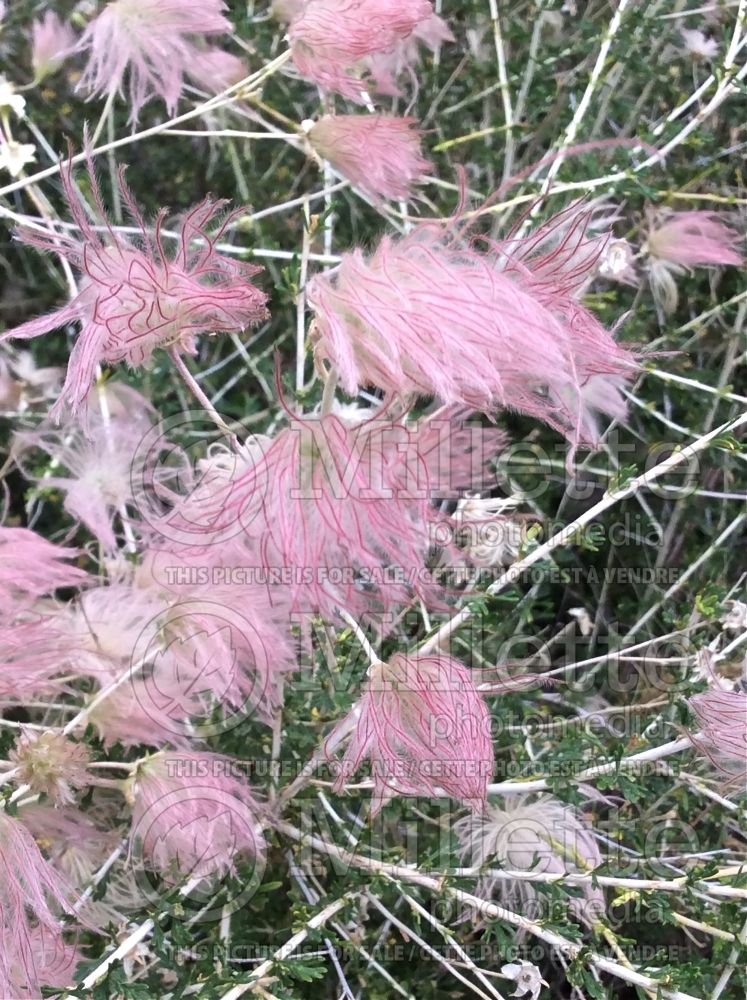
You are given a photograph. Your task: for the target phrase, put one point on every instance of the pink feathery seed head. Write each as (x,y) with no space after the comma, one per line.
(226,635)
(98,486)
(193,813)
(380,154)
(34,651)
(29,564)
(51,764)
(136,295)
(331,39)
(51,41)
(329,506)
(723,723)
(78,847)
(55,962)
(215,70)
(691,239)
(152,40)
(30,890)
(425,729)
(489,325)
(544,836)
(386,68)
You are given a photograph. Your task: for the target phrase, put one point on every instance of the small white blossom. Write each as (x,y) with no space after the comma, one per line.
(585,624)
(487,531)
(617,262)
(15,155)
(10,99)
(527,978)
(736,619)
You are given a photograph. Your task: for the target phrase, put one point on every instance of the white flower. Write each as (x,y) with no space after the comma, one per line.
(10,99)
(697,45)
(487,531)
(583,618)
(617,262)
(527,978)
(736,619)
(15,155)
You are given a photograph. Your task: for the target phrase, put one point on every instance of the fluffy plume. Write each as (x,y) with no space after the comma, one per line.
(335,42)
(98,485)
(32,895)
(136,296)
(544,836)
(690,239)
(78,847)
(487,327)
(153,40)
(379,154)
(681,242)
(51,41)
(189,648)
(215,70)
(723,726)
(426,730)
(33,649)
(338,512)
(191,814)
(29,564)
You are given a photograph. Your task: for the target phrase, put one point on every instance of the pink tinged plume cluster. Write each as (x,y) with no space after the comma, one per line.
(154,45)
(683,241)
(191,816)
(347,505)
(722,735)
(52,40)
(379,154)
(490,325)
(33,899)
(425,729)
(350,46)
(544,836)
(137,296)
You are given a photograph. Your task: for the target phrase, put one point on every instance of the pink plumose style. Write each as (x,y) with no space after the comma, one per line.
(723,727)
(52,40)
(425,729)
(681,242)
(346,46)
(155,41)
(542,835)
(339,512)
(33,897)
(135,295)
(31,565)
(379,154)
(485,325)
(191,813)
